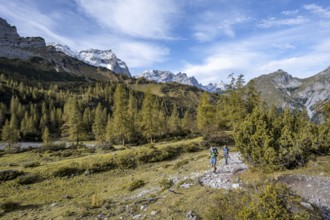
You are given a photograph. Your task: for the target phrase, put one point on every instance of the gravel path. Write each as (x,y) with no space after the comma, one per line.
(223,178)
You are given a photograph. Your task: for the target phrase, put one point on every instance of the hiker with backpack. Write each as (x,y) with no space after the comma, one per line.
(213,155)
(226,154)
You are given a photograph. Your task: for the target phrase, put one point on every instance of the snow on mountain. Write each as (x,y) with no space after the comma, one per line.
(167,76)
(95,57)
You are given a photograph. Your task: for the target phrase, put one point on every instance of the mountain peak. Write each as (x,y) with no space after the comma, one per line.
(96,57)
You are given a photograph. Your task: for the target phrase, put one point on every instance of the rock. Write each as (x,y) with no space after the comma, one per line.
(235,186)
(54,204)
(192,216)
(154,213)
(137,216)
(307,205)
(143,207)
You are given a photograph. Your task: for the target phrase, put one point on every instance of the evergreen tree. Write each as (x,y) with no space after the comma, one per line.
(132,113)
(174,121)
(72,120)
(109,130)
(149,116)
(46,136)
(99,123)
(120,114)
(205,114)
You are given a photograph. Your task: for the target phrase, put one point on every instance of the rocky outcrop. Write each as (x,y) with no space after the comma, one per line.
(13,46)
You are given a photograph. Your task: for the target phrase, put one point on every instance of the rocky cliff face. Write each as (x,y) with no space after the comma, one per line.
(14,46)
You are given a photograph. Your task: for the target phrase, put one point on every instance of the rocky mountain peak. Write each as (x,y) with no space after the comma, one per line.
(14,46)
(7,31)
(96,57)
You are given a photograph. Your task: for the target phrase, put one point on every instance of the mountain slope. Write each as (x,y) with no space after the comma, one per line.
(284,91)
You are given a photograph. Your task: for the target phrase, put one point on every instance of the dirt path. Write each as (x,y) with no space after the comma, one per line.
(223,178)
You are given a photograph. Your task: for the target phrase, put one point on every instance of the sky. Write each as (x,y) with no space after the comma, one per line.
(208,39)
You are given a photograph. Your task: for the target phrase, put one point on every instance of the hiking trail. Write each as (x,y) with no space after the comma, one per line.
(224,176)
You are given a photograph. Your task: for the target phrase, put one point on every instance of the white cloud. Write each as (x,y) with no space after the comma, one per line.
(276,22)
(148,19)
(318,10)
(214,24)
(290,13)
(255,55)
(30,22)
(139,55)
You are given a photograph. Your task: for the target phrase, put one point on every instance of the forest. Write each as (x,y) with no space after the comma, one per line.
(115,113)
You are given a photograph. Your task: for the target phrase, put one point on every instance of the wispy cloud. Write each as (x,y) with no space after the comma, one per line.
(290,13)
(318,10)
(147,19)
(278,22)
(37,24)
(215,24)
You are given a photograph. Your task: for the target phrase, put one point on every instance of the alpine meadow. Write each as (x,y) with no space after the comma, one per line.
(82,137)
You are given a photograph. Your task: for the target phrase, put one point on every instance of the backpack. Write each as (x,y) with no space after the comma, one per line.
(214,151)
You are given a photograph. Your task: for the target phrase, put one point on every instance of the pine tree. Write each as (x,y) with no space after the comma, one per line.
(174,121)
(109,130)
(205,114)
(120,114)
(132,113)
(72,120)
(149,116)
(46,136)
(99,123)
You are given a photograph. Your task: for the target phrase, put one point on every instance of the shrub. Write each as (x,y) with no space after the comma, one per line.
(28,179)
(180,164)
(271,201)
(31,164)
(166,183)
(135,185)
(52,147)
(67,172)
(10,206)
(6,175)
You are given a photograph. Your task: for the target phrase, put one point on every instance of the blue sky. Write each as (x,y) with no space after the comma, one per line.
(208,39)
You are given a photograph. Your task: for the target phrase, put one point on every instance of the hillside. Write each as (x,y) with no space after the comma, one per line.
(89,183)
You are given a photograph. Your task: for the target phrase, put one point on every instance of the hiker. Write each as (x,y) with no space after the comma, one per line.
(213,160)
(226,154)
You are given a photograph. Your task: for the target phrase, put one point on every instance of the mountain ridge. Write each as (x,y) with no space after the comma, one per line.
(163,76)
(284,91)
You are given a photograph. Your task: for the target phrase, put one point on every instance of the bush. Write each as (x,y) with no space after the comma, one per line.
(52,147)
(10,206)
(180,164)
(28,179)
(67,172)
(6,175)
(135,185)
(166,183)
(31,164)
(271,201)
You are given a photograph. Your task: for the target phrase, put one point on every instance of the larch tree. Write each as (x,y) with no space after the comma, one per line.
(120,114)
